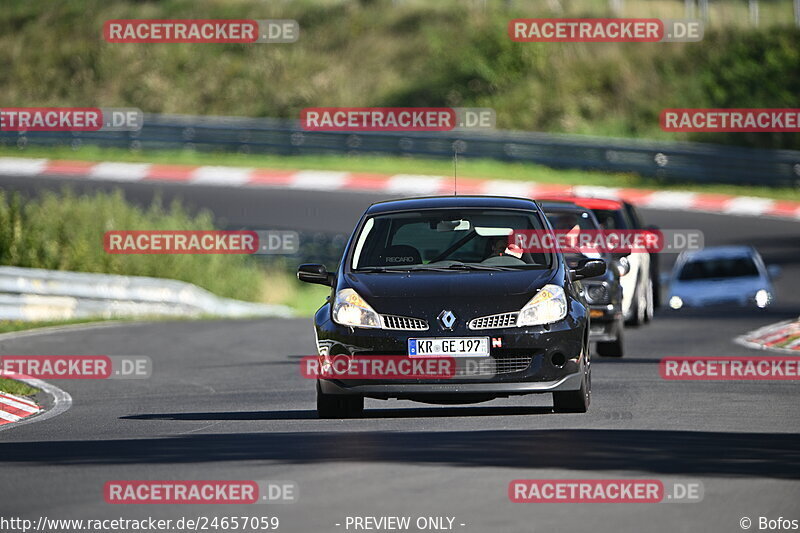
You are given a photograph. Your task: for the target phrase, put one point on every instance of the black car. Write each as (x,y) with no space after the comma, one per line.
(602,293)
(434,269)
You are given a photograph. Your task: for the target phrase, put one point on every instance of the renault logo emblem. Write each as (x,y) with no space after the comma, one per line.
(447,319)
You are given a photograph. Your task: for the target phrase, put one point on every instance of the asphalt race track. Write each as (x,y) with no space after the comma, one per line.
(226,401)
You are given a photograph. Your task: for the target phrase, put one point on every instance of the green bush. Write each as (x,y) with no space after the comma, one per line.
(65,232)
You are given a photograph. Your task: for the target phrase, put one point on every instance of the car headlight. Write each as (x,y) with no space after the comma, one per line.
(597,293)
(549,305)
(676,302)
(350,309)
(762,298)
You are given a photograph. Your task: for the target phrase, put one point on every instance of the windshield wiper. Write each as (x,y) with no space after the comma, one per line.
(381,269)
(472,266)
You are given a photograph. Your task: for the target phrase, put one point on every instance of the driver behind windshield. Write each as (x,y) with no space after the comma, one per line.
(502,248)
(430,239)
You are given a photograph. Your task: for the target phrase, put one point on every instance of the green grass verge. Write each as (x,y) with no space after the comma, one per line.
(467,168)
(284,288)
(12,386)
(9,326)
(64,231)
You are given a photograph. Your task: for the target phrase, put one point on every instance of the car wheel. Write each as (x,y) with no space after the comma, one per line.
(648,315)
(576,401)
(612,348)
(339,406)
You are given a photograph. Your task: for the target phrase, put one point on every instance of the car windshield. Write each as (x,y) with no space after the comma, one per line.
(563,220)
(612,219)
(729,267)
(566,220)
(446,239)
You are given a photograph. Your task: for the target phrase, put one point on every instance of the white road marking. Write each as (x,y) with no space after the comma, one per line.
(318,180)
(9,417)
(414,184)
(670,200)
(10,401)
(119,171)
(22,166)
(230,176)
(508,188)
(596,191)
(747,205)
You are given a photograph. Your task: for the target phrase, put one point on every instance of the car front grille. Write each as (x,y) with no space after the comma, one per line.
(503,320)
(403,323)
(491,366)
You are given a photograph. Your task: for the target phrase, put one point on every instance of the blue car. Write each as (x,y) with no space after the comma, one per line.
(721,275)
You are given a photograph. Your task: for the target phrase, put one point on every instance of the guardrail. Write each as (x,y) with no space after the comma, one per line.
(669,161)
(32,294)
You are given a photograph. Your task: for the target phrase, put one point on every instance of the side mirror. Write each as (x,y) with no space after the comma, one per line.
(589,268)
(774,271)
(312,273)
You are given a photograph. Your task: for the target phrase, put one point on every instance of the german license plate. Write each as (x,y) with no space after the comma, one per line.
(449,347)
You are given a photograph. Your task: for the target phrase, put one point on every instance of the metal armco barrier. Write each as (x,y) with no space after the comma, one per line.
(32,294)
(685,162)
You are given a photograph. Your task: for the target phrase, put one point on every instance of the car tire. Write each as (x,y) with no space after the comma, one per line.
(576,401)
(612,348)
(339,406)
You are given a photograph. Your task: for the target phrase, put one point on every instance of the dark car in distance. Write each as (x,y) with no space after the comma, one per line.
(640,285)
(602,293)
(435,269)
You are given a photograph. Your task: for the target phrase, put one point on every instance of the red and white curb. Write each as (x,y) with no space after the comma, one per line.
(781,337)
(397,184)
(14,408)
(61,402)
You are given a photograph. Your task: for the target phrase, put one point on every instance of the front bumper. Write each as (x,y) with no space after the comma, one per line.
(553,355)
(385,390)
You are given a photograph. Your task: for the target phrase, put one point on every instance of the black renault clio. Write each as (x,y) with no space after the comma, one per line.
(419,273)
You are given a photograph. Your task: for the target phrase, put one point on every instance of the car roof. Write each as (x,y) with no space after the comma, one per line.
(432,202)
(552,205)
(720,252)
(584,201)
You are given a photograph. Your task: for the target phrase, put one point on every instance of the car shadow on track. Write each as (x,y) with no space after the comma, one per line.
(775,455)
(304,414)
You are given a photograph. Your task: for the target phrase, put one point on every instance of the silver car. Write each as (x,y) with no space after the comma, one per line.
(721,275)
